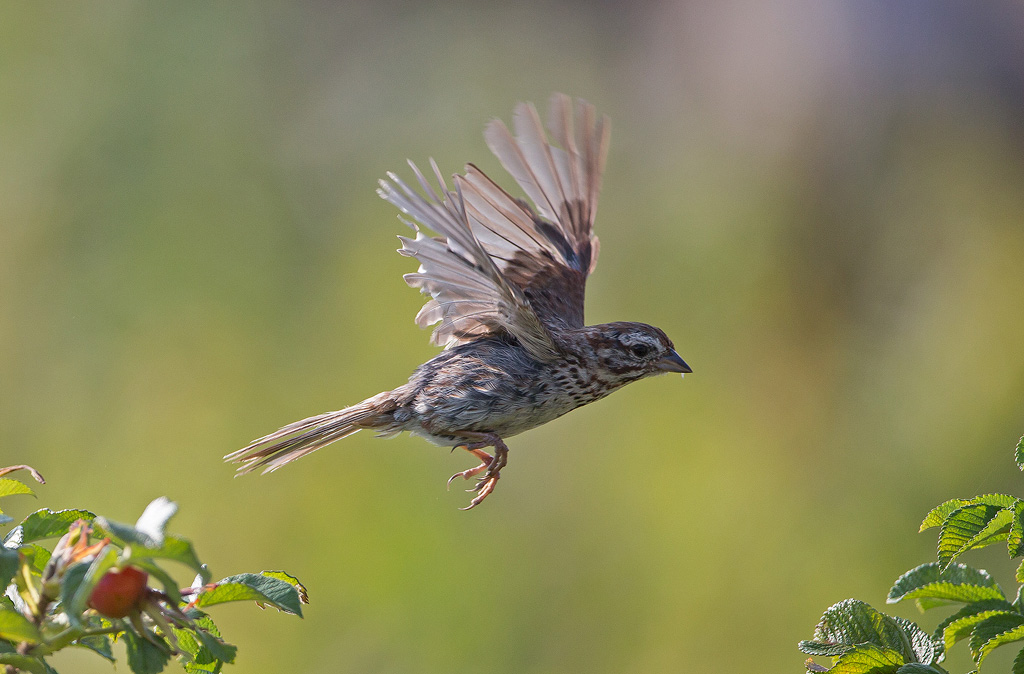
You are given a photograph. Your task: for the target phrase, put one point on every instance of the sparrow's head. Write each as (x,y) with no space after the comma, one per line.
(629,351)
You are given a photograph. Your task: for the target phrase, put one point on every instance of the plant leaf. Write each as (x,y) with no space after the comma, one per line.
(80,600)
(937,515)
(994,632)
(1018,456)
(97,643)
(24,663)
(254,587)
(291,580)
(1015,541)
(144,657)
(868,659)
(1018,663)
(9,562)
(925,649)
(9,487)
(16,628)
(958,582)
(823,648)
(960,625)
(48,523)
(853,623)
(974,525)
(918,668)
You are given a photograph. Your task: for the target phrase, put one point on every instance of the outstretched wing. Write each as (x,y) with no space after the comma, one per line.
(469,295)
(546,251)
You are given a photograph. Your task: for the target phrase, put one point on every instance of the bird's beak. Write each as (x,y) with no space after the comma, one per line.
(673,363)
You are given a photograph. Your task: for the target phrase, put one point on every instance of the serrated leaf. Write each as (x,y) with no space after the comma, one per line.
(852,622)
(99,644)
(960,625)
(1015,541)
(24,663)
(16,628)
(1018,456)
(972,526)
(9,487)
(937,515)
(144,657)
(994,632)
(1018,663)
(36,555)
(253,587)
(958,582)
(48,523)
(823,648)
(1019,576)
(291,580)
(920,641)
(918,668)
(868,659)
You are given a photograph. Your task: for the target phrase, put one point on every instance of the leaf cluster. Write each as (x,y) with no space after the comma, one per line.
(863,640)
(50,589)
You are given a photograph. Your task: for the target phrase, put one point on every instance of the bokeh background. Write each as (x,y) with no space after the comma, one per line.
(821,203)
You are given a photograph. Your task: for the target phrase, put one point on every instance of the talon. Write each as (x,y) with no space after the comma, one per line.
(485,487)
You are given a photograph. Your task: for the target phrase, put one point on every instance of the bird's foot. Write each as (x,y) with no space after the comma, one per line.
(490,466)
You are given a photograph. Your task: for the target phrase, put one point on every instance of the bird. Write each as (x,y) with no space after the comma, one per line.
(506,280)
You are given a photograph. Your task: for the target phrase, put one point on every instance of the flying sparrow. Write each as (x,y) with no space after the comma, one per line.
(506,282)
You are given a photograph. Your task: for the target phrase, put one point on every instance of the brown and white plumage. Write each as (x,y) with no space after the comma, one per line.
(506,281)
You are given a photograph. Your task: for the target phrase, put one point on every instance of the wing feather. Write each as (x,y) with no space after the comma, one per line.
(470,298)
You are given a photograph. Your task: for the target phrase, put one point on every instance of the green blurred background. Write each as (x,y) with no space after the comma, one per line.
(821,203)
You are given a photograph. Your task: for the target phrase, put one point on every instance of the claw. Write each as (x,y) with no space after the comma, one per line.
(490,466)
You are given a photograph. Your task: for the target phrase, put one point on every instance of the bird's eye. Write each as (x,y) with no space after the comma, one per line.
(640,350)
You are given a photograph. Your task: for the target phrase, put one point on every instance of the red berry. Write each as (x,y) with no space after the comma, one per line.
(118,592)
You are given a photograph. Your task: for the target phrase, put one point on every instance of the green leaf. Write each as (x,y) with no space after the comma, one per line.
(99,644)
(36,555)
(73,577)
(960,625)
(48,523)
(1015,541)
(9,487)
(24,663)
(868,659)
(972,526)
(925,649)
(9,562)
(17,628)
(994,632)
(831,650)
(958,582)
(937,515)
(853,623)
(253,587)
(1018,663)
(1020,573)
(918,668)
(291,580)
(144,657)
(1019,458)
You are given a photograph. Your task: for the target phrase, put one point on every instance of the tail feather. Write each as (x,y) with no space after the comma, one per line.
(300,438)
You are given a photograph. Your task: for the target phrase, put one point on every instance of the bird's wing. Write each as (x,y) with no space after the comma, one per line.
(546,251)
(470,297)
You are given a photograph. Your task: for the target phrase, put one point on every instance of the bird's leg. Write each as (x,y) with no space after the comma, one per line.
(485,460)
(491,464)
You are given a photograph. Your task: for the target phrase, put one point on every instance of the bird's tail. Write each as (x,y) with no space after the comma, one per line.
(300,438)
